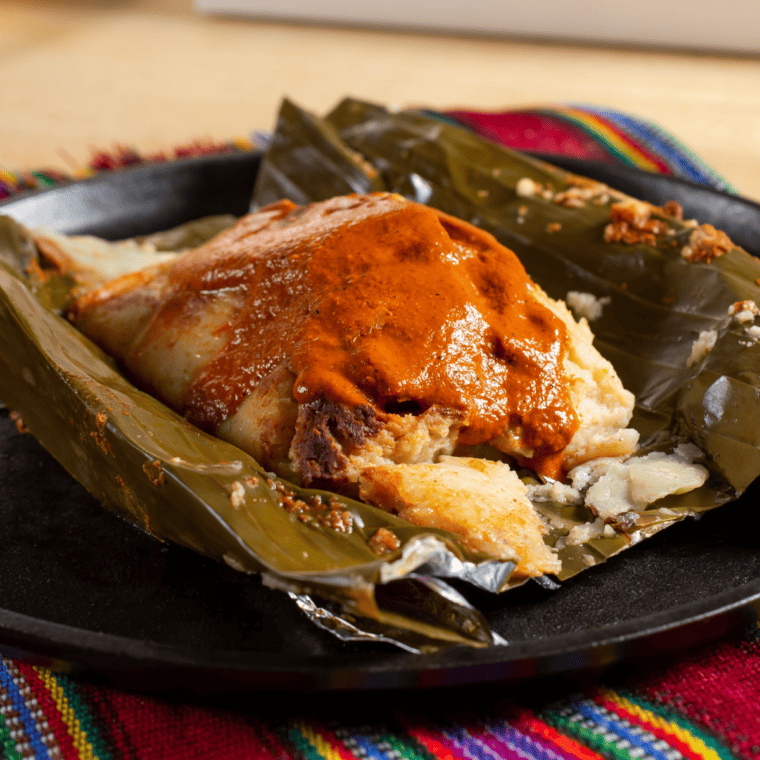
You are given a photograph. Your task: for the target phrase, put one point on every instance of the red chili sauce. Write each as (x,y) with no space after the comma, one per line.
(378,301)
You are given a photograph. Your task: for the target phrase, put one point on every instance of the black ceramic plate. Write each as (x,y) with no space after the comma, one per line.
(82,586)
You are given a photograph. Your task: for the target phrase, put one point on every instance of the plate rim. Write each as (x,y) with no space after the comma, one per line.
(47,642)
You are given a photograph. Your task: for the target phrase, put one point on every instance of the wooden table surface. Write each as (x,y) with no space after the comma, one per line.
(78,75)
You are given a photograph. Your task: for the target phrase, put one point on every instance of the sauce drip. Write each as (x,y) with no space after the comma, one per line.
(377,301)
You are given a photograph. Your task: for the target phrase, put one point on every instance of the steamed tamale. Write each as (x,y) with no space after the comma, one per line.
(334,340)
(187,487)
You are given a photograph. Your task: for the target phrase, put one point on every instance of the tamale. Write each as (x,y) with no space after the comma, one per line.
(452,170)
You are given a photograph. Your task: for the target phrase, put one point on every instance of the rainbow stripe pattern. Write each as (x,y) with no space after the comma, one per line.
(703,706)
(594,133)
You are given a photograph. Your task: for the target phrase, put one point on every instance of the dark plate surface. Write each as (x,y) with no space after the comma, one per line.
(82,586)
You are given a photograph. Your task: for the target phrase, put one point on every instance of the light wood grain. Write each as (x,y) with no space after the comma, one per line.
(76,76)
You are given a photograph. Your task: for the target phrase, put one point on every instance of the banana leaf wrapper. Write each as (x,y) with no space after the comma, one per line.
(659,302)
(150,466)
(181,485)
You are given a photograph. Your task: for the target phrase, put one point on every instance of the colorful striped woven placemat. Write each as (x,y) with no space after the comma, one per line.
(702,705)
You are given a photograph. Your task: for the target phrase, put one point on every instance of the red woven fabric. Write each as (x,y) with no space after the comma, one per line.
(535,132)
(717,688)
(144,727)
